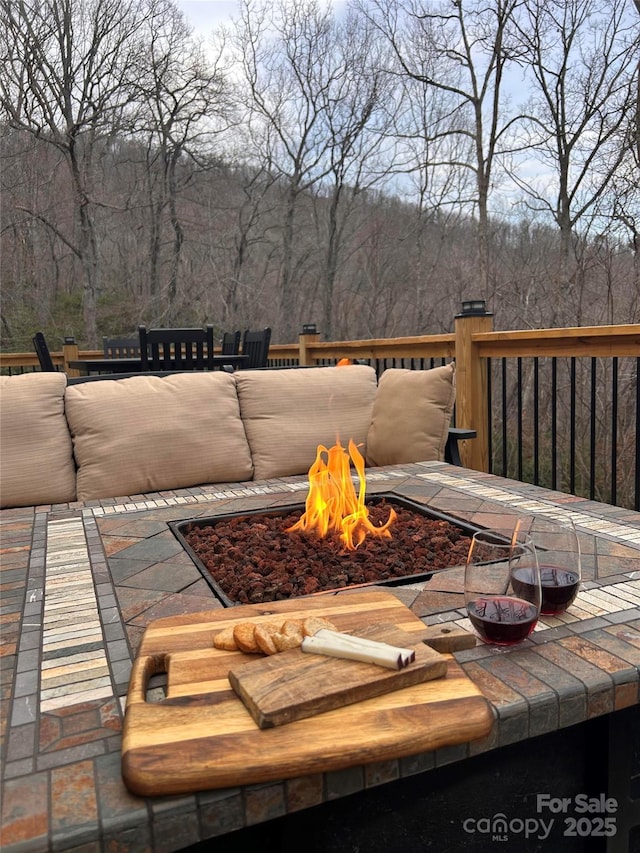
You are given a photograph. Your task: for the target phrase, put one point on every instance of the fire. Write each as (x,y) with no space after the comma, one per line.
(332,505)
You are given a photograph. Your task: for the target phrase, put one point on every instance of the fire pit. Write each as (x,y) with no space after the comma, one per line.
(338,540)
(255,557)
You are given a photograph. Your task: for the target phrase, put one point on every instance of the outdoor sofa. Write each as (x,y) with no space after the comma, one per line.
(63,440)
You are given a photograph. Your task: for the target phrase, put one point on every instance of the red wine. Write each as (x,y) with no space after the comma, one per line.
(559,587)
(502,619)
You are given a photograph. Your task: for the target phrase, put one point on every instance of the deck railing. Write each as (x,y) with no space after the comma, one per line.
(558,408)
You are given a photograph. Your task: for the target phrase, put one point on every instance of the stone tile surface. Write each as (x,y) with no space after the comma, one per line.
(80,583)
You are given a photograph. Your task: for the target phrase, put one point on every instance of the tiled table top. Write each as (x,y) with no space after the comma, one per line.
(80,582)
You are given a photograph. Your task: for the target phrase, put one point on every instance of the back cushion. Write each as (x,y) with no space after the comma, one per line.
(288,413)
(411,416)
(149,433)
(36,458)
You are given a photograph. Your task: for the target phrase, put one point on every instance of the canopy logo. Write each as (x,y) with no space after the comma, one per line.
(500,828)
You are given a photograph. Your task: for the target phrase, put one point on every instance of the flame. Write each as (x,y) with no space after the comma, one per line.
(332,505)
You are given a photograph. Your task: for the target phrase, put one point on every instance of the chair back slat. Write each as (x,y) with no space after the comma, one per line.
(176,349)
(255,345)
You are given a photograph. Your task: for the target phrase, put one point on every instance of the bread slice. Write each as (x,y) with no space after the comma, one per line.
(284,642)
(312,624)
(264,635)
(225,640)
(244,635)
(293,628)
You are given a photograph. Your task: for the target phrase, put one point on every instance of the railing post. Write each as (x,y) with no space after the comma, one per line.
(472,395)
(308,335)
(69,353)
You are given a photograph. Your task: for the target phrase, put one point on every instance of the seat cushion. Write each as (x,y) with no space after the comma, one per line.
(288,413)
(36,458)
(149,433)
(411,416)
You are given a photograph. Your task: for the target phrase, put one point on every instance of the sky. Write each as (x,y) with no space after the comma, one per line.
(204,15)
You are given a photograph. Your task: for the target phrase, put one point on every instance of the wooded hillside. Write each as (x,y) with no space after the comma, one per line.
(365,172)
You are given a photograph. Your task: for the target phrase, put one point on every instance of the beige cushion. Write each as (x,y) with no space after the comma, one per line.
(411,416)
(149,433)
(36,459)
(288,413)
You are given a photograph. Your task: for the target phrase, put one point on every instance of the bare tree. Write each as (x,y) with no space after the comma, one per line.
(357,104)
(237,210)
(307,111)
(438,196)
(581,56)
(67,79)
(35,264)
(183,106)
(460,50)
(279,53)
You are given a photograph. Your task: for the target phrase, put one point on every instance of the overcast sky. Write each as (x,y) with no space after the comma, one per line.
(204,15)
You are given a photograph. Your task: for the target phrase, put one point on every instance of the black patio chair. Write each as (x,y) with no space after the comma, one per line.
(121,347)
(255,345)
(176,349)
(42,351)
(231,343)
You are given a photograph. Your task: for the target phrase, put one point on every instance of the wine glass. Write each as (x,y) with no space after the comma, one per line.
(502,587)
(558,549)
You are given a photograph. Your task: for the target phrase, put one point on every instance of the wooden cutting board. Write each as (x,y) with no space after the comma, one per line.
(202,736)
(292,685)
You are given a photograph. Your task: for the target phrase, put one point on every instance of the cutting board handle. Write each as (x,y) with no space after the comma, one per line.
(142,670)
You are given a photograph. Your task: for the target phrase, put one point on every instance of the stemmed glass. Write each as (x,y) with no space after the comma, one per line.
(502,590)
(558,548)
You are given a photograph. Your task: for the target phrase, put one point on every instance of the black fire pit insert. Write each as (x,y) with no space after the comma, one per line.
(182,529)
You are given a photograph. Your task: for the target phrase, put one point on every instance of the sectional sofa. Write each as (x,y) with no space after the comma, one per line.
(63,440)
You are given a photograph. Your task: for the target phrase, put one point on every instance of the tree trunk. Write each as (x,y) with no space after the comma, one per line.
(88,251)
(178,235)
(287,301)
(333,245)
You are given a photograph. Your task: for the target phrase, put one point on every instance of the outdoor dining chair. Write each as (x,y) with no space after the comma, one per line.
(176,349)
(255,345)
(42,351)
(231,343)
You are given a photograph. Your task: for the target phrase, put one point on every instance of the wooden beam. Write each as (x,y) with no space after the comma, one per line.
(472,406)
